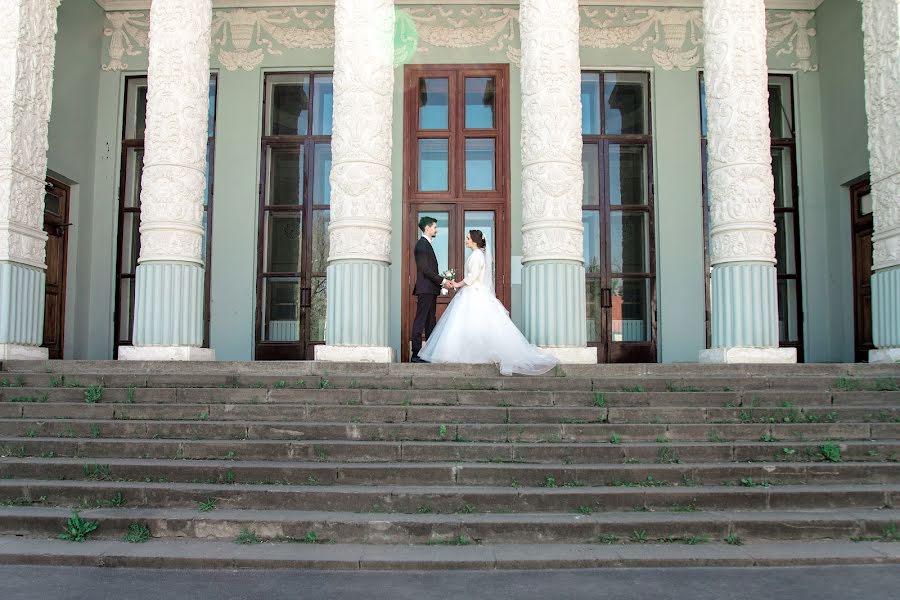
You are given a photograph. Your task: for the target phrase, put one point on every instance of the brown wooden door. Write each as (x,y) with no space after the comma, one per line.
(456,169)
(861,219)
(56,225)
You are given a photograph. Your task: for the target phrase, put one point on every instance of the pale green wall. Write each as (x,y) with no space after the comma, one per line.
(845,155)
(71,155)
(677,179)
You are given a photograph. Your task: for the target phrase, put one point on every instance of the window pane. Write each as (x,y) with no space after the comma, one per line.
(134,169)
(590,164)
(322,174)
(480,164)
(52,204)
(781,109)
(441,242)
(318,302)
(627,175)
(629,242)
(479,102)
(784,180)
(285,177)
(323,105)
(211,125)
(281,302)
(136,109)
(288,104)
(283,243)
(625,99)
(788,311)
(591,221)
(433,165)
(131,241)
(865,205)
(590,103)
(704,119)
(434,104)
(483,221)
(320,240)
(594,310)
(785,249)
(126,308)
(630,310)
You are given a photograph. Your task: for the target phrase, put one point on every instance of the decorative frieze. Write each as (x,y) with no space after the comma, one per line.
(672,38)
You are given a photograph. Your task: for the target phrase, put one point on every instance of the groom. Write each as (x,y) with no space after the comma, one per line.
(428,286)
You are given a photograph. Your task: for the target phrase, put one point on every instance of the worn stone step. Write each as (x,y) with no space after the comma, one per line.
(448,499)
(385,528)
(420,451)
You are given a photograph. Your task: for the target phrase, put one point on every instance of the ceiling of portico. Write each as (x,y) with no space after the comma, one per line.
(112,5)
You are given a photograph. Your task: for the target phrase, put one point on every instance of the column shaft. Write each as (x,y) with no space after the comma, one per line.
(881,28)
(552,179)
(27,48)
(358,271)
(168,319)
(740,185)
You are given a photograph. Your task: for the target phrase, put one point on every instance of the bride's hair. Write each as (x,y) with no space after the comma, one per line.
(478,238)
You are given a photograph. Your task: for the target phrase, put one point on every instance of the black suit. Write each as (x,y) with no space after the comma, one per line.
(428,288)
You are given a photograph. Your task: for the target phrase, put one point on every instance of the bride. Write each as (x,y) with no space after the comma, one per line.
(476,327)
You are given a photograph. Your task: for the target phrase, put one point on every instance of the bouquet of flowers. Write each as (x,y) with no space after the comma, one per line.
(449,275)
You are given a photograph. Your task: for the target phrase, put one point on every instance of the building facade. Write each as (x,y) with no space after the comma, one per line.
(242,180)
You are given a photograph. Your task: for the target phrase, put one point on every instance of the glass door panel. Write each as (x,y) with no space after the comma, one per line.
(485,222)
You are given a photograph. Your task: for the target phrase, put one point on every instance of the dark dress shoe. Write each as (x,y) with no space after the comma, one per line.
(416,359)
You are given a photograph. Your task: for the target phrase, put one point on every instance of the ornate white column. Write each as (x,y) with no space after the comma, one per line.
(741,186)
(881,29)
(27,49)
(359,259)
(553,283)
(168,315)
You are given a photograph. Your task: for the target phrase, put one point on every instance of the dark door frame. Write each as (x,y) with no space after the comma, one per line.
(63,232)
(860,224)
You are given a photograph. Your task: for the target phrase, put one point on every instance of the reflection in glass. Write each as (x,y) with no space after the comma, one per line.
(283,237)
(131,241)
(785,249)
(629,238)
(323,103)
(626,103)
(285,177)
(782,160)
(590,103)
(289,104)
(591,220)
(627,175)
(321,174)
(704,118)
(433,165)
(480,164)
(594,310)
(140,112)
(441,242)
(320,240)
(318,302)
(281,299)
(483,221)
(134,169)
(865,205)
(211,120)
(434,95)
(590,164)
(781,109)
(479,102)
(126,304)
(788,311)
(630,310)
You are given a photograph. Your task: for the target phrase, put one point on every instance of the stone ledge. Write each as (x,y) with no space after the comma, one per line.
(749,356)
(19,352)
(884,355)
(354,354)
(166,353)
(573,355)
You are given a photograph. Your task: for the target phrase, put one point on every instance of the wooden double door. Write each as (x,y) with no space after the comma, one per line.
(863,225)
(56,226)
(456,170)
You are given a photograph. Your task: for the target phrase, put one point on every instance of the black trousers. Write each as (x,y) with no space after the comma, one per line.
(426,319)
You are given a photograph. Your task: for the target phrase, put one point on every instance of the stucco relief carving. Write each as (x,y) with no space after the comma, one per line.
(27,47)
(552,177)
(361,142)
(673,38)
(174,180)
(741,186)
(881,28)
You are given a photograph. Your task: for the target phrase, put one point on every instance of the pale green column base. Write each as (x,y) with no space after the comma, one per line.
(355,354)
(573,356)
(22,290)
(886,309)
(553,305)
(358,299)
(749,356)
(744,306)
(168,314)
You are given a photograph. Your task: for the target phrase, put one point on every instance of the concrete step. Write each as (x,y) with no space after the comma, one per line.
(203,554)
(536,528)
(568,497)
(512,475)
(420,451)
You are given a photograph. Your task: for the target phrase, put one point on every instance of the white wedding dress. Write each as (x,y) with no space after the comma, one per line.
(476,328)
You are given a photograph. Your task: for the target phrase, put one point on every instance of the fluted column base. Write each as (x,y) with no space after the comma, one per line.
(168,313)
(357,321)
(21,312)
(554,310)
(886,315)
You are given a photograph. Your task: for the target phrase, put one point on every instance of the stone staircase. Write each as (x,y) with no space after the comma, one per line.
(287,465)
